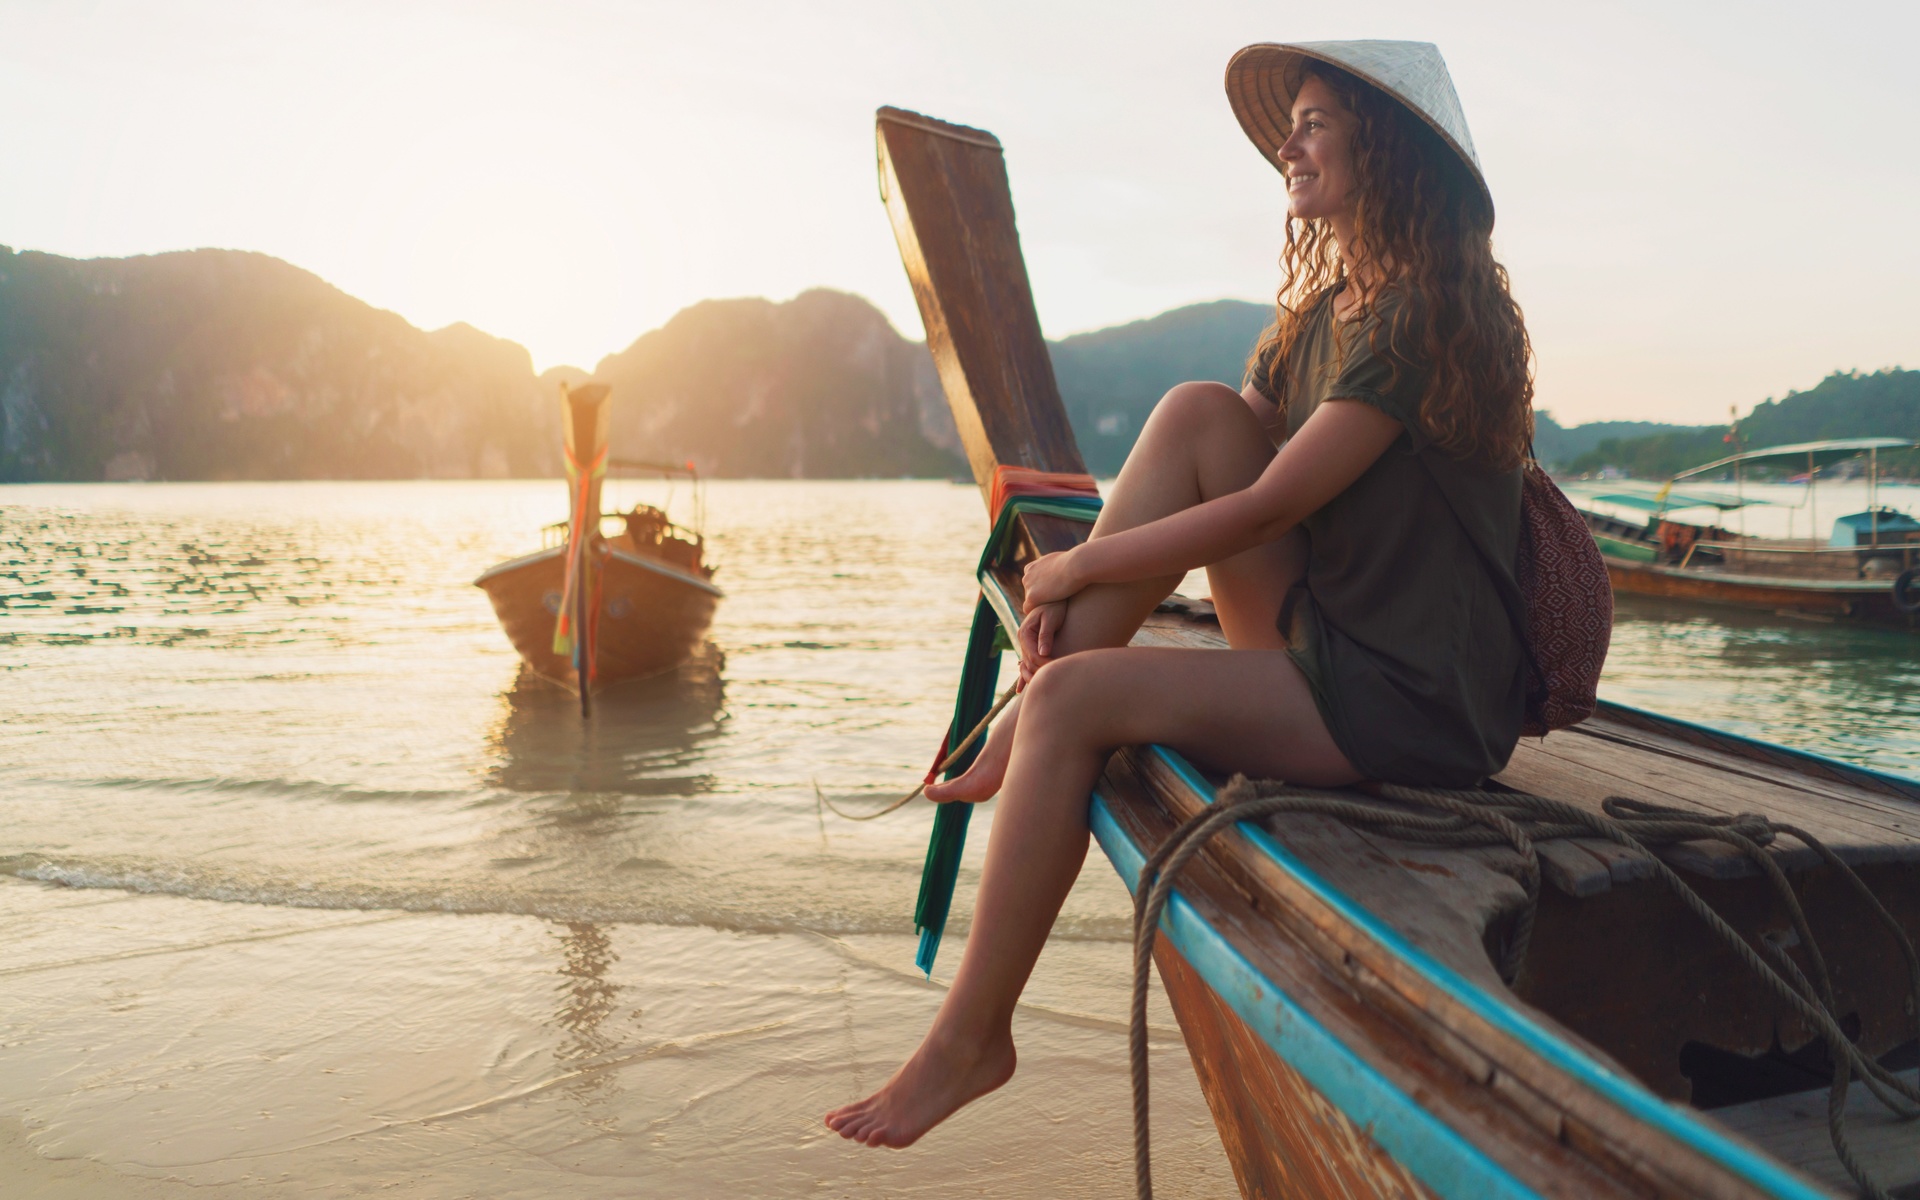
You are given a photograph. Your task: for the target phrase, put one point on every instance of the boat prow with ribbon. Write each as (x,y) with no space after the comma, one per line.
(1375,1015)
(593,608)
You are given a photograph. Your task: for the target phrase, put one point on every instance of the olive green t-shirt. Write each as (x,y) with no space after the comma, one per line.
(1398,623)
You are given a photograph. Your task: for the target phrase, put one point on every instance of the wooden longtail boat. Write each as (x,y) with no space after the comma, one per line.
(1868,570)
(610,609)
(1336,989)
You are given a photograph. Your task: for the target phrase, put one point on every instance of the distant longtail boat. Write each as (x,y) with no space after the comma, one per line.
(596,610)
(1867,570)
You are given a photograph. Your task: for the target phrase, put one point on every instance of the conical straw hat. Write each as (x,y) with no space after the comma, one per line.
(1262,79)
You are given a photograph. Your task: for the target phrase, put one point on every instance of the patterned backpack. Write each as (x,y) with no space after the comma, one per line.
(1568,606)
(1562,608)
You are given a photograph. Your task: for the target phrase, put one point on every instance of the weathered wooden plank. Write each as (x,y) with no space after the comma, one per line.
(946,192)
(1571,869)
(1175,630)
(1623,865)
(1545,773)
(1411,902)
(1793,1129)
(1868,798)
(1480,883)
(1617,721)
(1701,786)
(1746,780)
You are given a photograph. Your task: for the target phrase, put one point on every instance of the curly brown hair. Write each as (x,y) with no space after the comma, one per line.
(1424,220)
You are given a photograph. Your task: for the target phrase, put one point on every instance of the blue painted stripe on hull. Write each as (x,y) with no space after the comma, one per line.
(1440,1158)
(1629,1094)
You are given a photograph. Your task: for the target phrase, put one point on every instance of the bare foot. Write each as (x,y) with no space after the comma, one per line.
(982,780)
(935,1083)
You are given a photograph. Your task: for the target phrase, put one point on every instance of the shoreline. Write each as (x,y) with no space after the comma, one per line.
(157,1047)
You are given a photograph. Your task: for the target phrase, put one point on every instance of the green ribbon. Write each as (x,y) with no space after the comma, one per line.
(979,681)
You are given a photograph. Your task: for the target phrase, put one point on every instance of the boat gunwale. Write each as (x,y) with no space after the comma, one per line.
(1907,786)
(624,556)
(1865,587)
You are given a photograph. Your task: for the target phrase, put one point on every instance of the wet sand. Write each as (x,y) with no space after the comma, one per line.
(164,1046)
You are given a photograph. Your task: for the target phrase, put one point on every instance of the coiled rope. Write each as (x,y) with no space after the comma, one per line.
(1468,817)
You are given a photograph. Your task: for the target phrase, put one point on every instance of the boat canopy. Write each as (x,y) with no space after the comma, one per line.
(1665,499)
(1831,450)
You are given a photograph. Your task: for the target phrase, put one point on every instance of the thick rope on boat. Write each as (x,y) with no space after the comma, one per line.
(1468,817)
(950,760)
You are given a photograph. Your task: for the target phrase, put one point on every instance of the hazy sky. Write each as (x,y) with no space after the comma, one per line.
(1702,204)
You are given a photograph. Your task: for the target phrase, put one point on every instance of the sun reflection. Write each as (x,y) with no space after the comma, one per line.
(587,1000)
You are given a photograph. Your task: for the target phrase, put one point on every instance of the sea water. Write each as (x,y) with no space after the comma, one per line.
(305,887)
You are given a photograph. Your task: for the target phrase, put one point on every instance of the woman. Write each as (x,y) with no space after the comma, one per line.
(1351,506)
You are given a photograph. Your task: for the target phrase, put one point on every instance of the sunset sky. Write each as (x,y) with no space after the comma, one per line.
(1702,204)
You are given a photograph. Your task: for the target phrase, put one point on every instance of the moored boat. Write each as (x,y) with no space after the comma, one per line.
(1337,988)
(605,607)
(1867,570)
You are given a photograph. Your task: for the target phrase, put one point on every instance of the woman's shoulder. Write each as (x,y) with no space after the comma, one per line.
(1400,313)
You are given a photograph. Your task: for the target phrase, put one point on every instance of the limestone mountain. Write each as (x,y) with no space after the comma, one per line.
(219,364)
(821,386)
(222,364)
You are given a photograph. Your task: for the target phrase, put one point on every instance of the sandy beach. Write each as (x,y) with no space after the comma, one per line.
(161,1046)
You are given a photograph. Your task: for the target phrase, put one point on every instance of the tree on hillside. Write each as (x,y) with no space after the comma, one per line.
(1845,404)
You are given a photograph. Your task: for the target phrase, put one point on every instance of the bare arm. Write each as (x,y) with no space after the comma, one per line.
(1333,448)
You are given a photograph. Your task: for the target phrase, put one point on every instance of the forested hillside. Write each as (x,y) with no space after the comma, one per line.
(1556,446)
(1843,405)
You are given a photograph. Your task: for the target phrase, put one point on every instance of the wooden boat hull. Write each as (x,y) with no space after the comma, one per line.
(1864,600)
(652,616)
(1282,1136)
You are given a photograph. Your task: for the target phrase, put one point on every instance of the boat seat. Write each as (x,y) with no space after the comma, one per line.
(1793,1129)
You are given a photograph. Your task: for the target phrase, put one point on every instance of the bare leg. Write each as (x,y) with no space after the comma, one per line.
(1247,710)
(1201,442)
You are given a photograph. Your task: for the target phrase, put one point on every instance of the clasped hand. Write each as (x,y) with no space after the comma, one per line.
(1050,582)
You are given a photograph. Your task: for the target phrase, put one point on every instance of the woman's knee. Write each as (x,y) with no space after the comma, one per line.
(1069,693)
(1194,407)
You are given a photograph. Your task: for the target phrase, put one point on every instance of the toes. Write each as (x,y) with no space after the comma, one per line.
(969,786)
(842,1119)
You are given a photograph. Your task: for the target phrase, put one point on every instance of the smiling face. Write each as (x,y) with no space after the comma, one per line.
(1318,156)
